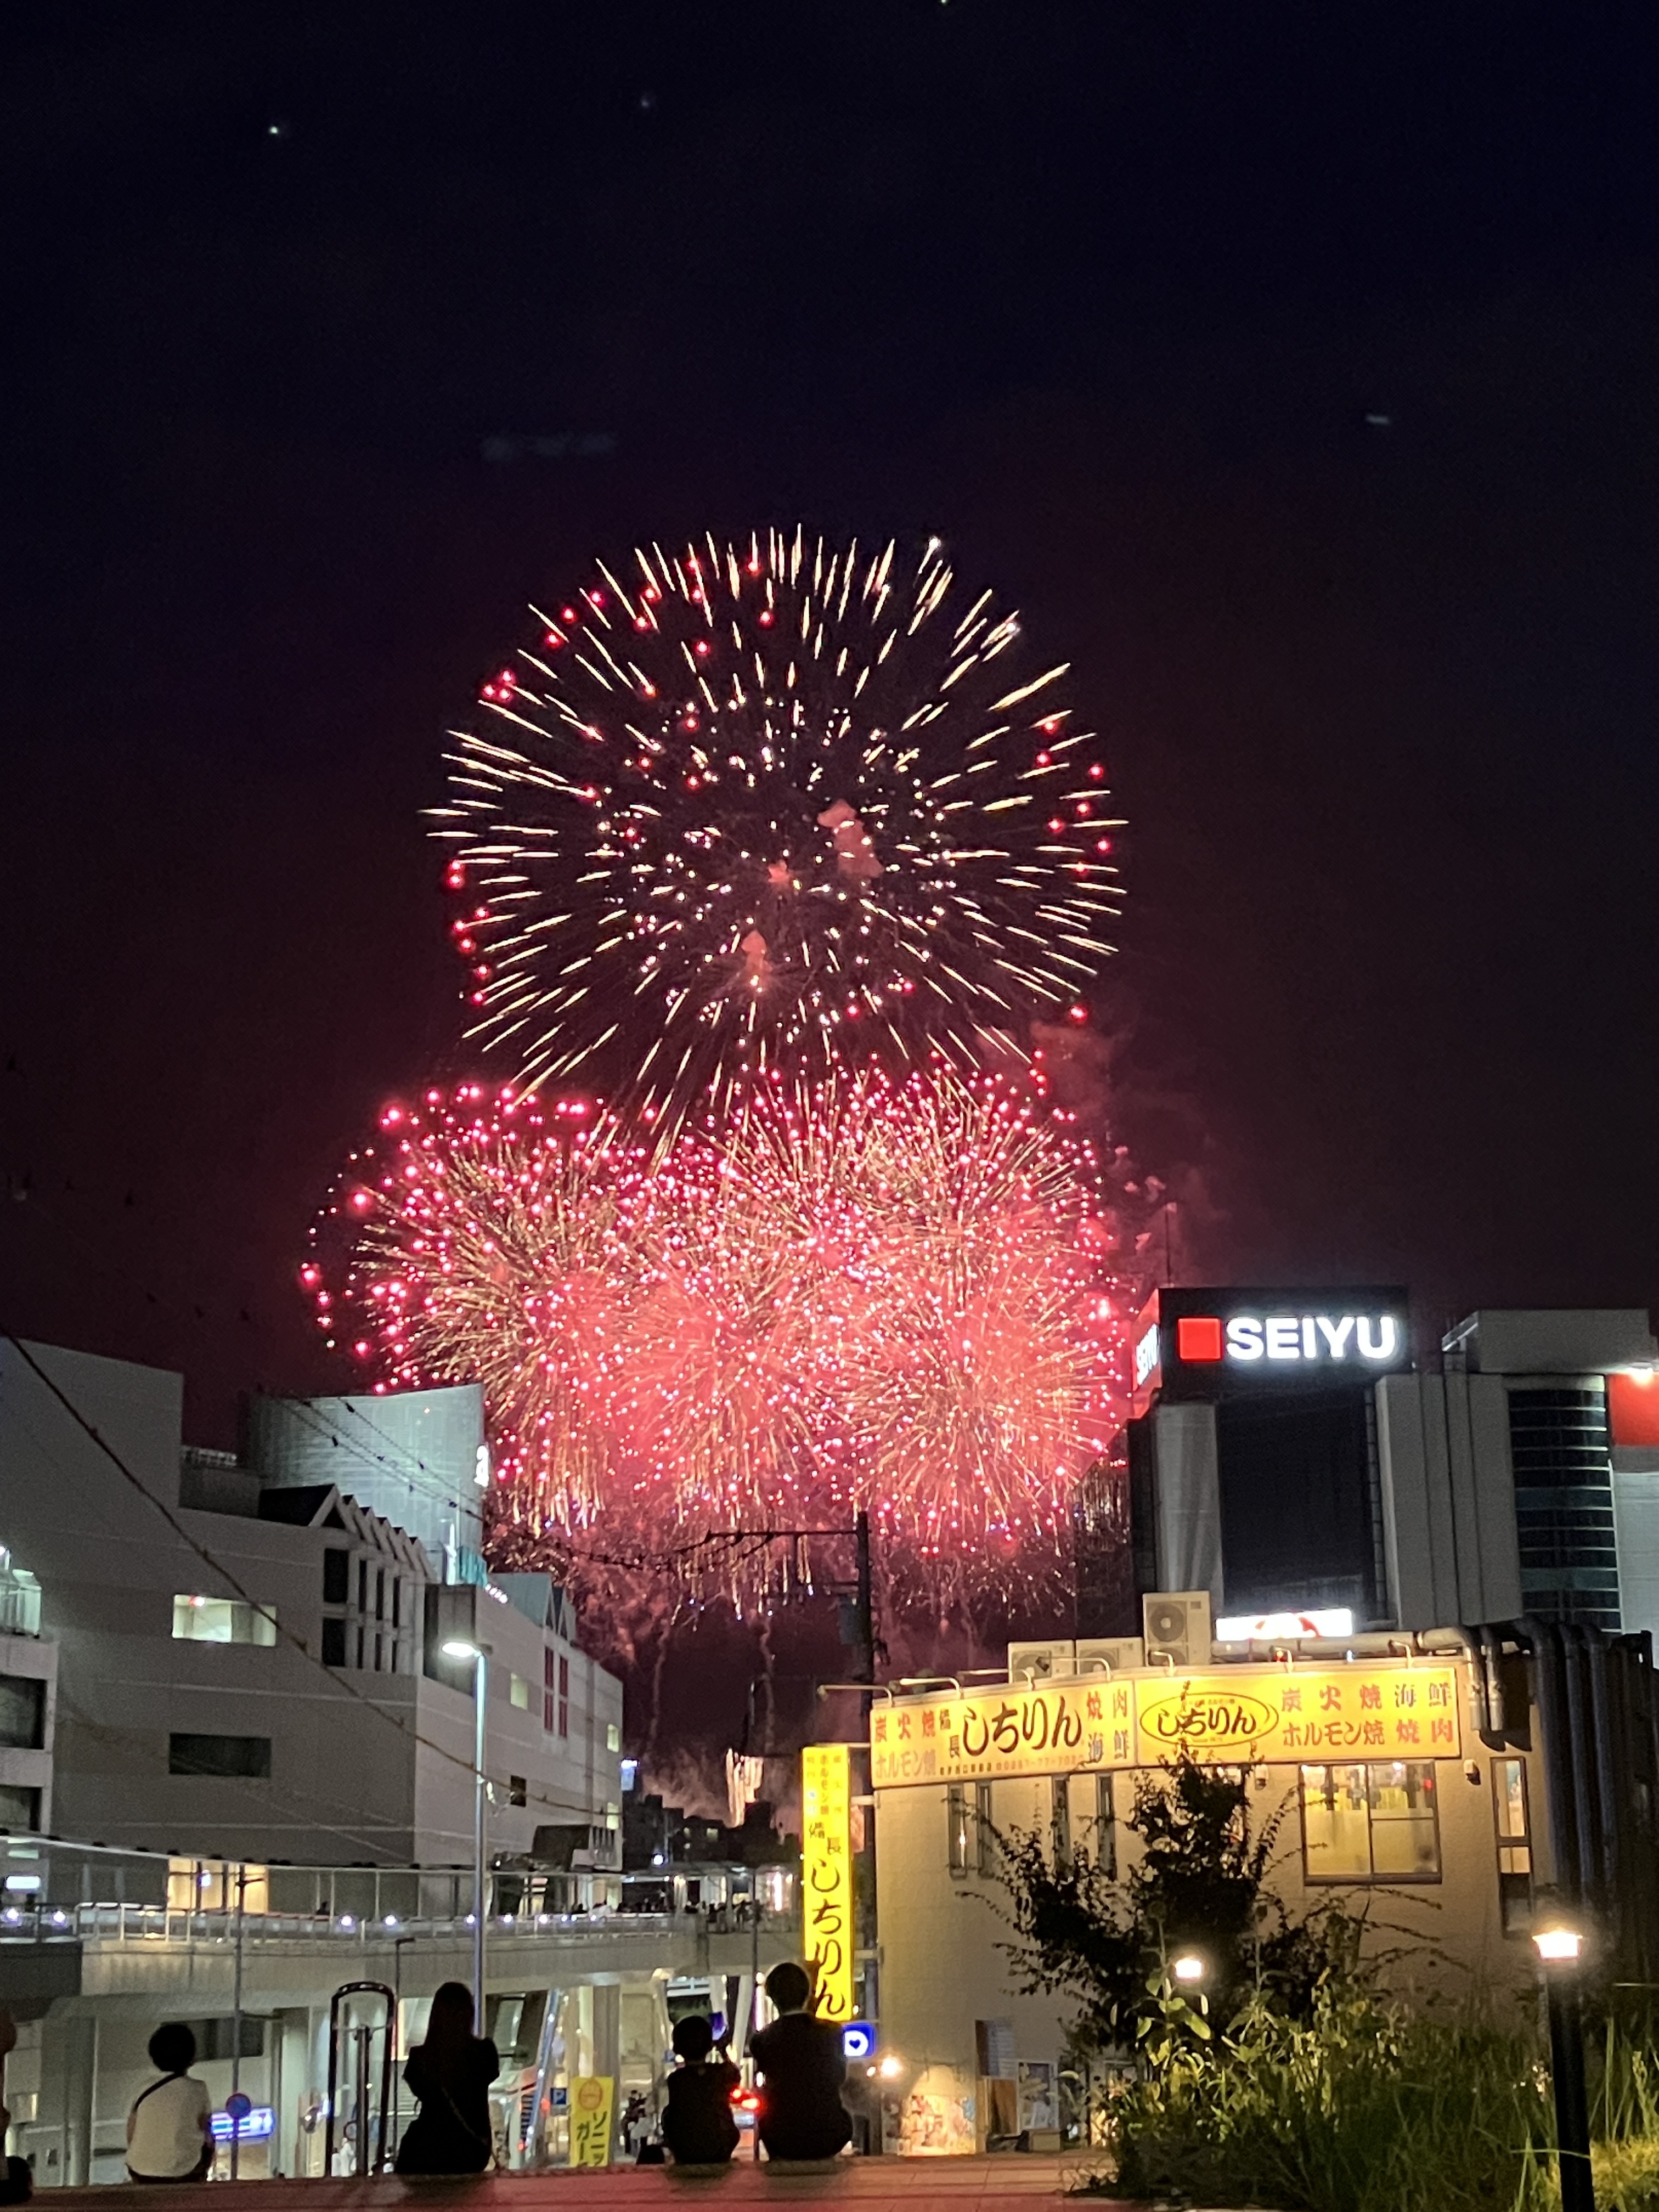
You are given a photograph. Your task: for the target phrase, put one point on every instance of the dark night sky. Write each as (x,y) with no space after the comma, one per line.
(1102,294)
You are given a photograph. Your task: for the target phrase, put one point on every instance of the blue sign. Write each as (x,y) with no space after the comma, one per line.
(858,2039)
(257,2121)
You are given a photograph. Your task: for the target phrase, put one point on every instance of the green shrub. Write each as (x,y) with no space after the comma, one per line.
(1355,2110)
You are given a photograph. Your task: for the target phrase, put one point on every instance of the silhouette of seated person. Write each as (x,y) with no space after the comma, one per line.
(697,2124)
(799,2058)
(450,2073)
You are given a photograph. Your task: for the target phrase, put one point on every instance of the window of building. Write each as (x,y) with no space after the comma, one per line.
(397,1602)
(216,1885)
(334,1643)
(20,1809)
(550,1690)
(379,1594)
(1375,1823)
(379,1650)
(959,1829)
(564,1696)
(612,1737)
(22,1713)
(248,1758)
(518,1693)
(1105,1835)
(222,1620)
(518,1790)
(985,1834)
(1512,1820)
(1060,1820)
(337,1576)
(362,1641)
(362,1585)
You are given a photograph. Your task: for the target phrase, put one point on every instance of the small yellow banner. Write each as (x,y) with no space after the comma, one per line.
(592,2106)
(1228,1716)
(828,1933)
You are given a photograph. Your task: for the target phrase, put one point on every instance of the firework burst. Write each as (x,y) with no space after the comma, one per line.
(897,1294)
(788,806)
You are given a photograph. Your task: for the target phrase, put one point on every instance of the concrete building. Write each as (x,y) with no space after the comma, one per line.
(89,1972)
(1287,1456)
(252,1670)
(1452,1777)
(227,1670)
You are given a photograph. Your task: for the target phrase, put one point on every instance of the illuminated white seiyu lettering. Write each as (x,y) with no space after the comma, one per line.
(1243,1337)
(1378,1342)
(1146,1355)
(1282,1334)
(1336,1334)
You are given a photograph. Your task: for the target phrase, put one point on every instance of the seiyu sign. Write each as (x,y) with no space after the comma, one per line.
(1203,1343)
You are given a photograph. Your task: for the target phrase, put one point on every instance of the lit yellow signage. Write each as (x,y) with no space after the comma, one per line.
(1224,1715)
(592,2103)
(827,1874)
(1283,1715)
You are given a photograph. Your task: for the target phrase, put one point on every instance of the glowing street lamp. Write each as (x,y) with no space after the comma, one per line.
(460,1647)
(1188,1969)
(1560,1947)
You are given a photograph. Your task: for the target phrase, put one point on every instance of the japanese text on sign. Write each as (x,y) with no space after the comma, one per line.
(1272,1714)
(592,2101)
(827,1935)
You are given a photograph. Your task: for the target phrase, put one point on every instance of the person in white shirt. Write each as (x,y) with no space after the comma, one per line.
(170,2127)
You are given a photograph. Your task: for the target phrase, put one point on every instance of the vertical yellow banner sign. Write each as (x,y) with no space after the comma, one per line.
(592,2107)
(827,1874)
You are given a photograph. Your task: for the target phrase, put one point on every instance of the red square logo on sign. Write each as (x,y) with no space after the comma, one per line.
(1198,1336)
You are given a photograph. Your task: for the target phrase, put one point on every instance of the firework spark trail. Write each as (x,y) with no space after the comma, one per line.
(783,806)
(886,1293)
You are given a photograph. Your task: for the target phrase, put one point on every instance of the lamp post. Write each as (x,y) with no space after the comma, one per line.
(1559,1947)
(459,1647)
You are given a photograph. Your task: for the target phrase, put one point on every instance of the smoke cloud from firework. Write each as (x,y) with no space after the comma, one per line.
(788,806)
(898,1293)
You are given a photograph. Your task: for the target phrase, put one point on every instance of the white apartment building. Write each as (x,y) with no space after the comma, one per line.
(252,1669)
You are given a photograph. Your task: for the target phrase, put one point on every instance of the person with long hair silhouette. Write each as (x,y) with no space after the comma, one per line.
(450,2073)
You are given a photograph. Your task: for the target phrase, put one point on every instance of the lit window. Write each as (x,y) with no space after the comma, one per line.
(612,1737)
(1105,1836)
(1060,1820)
(1370,1823)
(222,1620)
(518,1692)
(959,1829)
(985,1835)
(1510,1818)
(214,1885)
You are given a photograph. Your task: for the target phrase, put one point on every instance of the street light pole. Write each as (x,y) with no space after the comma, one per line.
(1558,1949)
(459,1648)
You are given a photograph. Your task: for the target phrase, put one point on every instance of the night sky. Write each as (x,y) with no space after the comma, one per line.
(1295,368)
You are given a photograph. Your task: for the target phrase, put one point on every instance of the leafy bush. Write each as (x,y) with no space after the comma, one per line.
(1201,1880)
(1353,2110)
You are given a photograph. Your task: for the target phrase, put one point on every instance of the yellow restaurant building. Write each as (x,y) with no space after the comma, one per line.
(1414,1779)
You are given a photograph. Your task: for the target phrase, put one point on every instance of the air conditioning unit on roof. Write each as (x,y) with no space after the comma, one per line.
(1177,1626)
(1096,1653)
(1041,1662)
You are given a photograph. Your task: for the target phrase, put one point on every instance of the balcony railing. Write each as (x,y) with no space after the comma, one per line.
(124,1923)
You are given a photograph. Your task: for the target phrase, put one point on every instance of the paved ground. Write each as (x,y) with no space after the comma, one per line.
(873,2185)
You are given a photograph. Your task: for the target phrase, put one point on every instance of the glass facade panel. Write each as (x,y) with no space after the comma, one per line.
(1560,1446)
